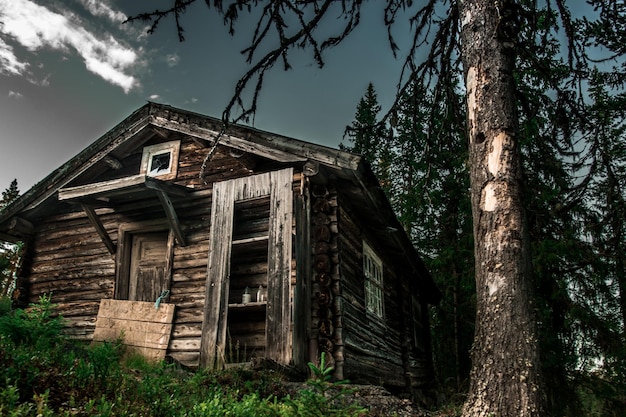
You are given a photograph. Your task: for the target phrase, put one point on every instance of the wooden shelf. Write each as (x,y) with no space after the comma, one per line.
(252,306)
(252,239)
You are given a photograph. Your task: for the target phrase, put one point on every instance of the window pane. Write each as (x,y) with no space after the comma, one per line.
(160,164)
(373,274)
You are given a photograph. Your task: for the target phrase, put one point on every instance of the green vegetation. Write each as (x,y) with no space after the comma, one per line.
(46,374)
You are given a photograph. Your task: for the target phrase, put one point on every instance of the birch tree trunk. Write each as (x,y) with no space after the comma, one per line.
(505,376)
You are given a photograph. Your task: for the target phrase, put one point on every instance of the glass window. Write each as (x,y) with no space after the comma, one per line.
(160,160)
(160,164)
(373,272)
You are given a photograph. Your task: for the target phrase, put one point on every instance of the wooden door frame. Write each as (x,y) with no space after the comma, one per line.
(279,186)
(124,245)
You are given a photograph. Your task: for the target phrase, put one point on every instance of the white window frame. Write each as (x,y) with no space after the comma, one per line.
(374,290)
(149,152)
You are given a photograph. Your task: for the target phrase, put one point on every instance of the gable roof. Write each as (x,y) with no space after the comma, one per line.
(153,117)
(160,119)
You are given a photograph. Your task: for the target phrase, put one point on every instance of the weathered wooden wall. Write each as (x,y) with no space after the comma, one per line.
(70,261)
(378,350)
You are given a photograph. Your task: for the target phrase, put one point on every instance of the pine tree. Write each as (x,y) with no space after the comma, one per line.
(432,201)
(9,253)
(369,138)
(9,194)
(599,302)
(363,133)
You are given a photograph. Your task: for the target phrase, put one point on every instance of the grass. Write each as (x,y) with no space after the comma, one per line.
(46,374)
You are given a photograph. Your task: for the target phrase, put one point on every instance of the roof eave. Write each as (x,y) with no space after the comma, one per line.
(48,187)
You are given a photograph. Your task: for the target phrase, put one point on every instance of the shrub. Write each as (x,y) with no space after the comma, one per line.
(46,374)
(227,404)
(36,326)
(29,340)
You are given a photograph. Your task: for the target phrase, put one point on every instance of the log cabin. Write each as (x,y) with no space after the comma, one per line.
(210,245)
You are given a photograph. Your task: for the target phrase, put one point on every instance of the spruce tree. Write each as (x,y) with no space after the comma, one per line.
(10,194)
(9,252)
(368,137)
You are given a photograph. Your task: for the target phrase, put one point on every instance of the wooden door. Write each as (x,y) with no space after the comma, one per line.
(148,265)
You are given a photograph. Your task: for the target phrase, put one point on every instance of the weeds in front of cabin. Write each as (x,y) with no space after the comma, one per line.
(236,353)
(47,374)
(325,397)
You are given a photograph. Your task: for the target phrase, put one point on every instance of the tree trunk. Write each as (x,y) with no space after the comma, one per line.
(505,376)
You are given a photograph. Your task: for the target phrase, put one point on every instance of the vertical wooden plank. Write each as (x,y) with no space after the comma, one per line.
(279,267)
(216,293)
(122,265)
(302,295)
(169,258)
(251,187)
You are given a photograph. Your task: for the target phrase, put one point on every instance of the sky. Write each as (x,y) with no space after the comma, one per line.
(70,70)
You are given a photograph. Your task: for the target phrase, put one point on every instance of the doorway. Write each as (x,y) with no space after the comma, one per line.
(144,261)
(250,254)
(147,266)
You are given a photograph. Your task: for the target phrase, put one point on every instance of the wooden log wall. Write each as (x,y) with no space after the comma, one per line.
(374,347)
(395,350)
(70,261)
(326,312)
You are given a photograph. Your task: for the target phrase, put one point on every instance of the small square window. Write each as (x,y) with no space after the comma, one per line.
(160,164)
(160,160)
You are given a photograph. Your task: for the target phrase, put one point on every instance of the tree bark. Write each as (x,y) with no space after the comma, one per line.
(506,372)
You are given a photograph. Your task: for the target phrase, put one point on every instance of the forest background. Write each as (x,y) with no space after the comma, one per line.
(571,108)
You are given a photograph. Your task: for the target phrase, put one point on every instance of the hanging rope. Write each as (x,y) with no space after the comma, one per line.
(164,295)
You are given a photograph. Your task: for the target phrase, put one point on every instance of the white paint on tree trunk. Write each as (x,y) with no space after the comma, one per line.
(470,84)
(466,18)
(489,199)
(494,281)
(494,158)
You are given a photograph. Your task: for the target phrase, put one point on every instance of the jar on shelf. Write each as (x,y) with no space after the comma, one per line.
(246,297)
(260,294)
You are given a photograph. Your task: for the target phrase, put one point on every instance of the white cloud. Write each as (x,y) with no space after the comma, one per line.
(9,63)
(15,94)
(172,60)
(36,27)
(42,82)
(155,97)
(99,9)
